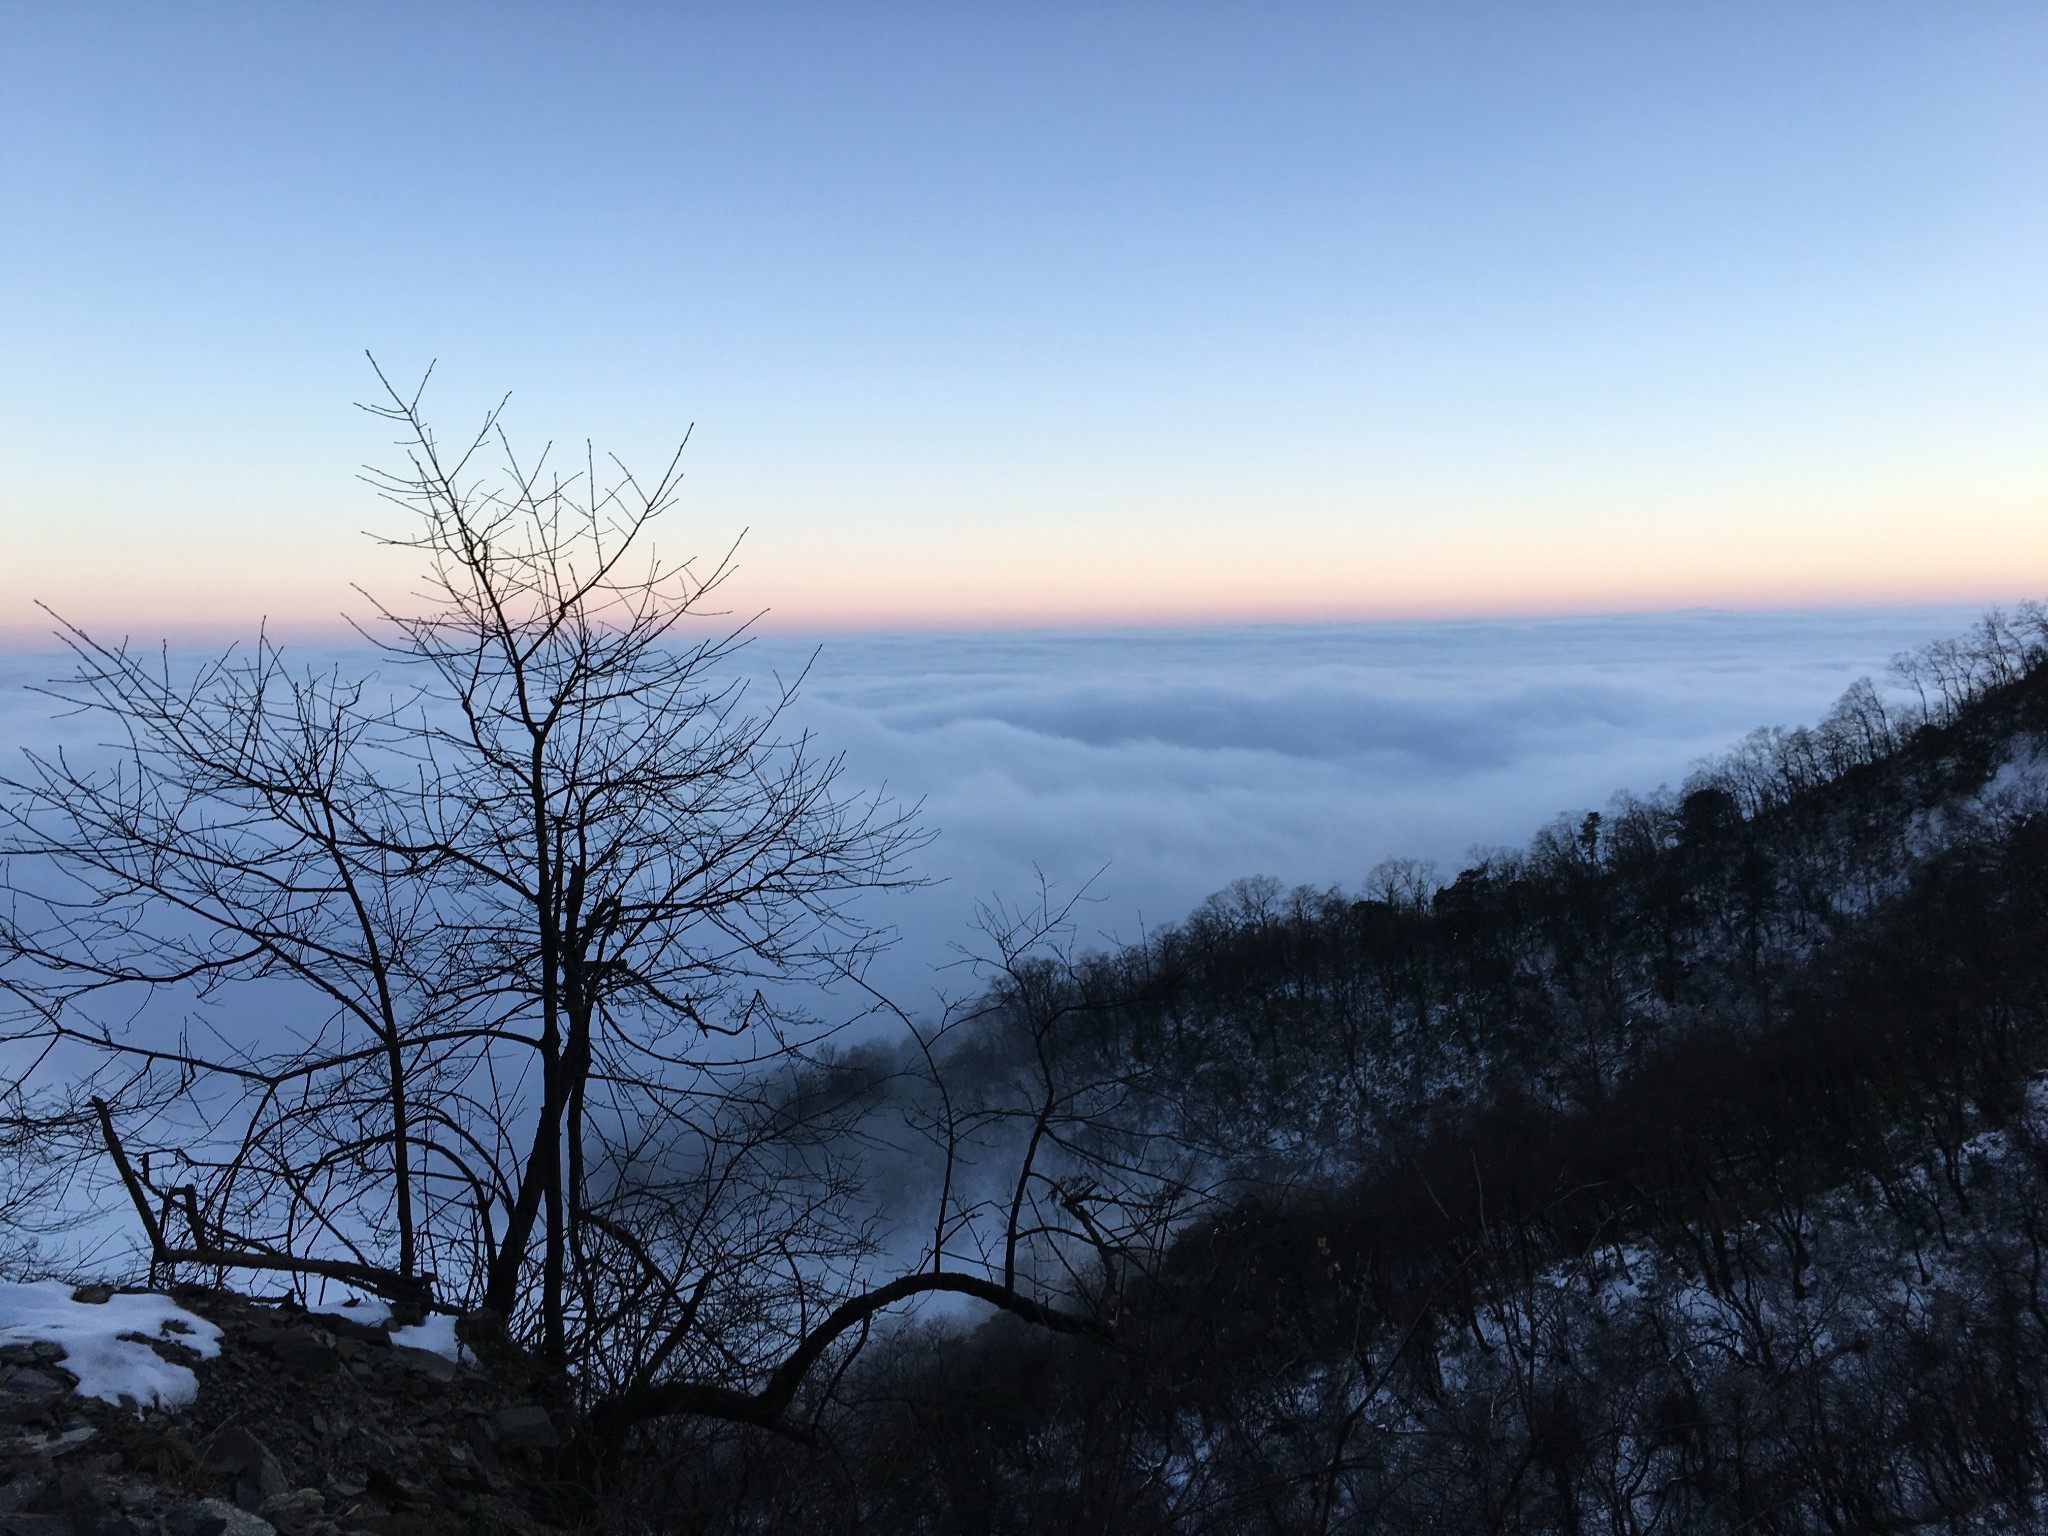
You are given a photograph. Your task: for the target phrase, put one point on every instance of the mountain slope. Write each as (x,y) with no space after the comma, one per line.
(1685,1171)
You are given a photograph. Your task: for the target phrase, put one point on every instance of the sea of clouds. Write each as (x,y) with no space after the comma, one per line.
(1157,766)
(1154,767)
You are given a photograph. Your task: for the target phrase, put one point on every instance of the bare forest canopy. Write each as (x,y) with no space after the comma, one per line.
(1682,1171)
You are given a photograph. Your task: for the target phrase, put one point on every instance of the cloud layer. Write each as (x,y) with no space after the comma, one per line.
(1168,763)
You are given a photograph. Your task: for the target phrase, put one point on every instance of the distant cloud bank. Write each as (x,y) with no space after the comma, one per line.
(1167,763)
(1172,762)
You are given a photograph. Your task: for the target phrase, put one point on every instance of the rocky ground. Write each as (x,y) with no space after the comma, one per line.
(304,1424)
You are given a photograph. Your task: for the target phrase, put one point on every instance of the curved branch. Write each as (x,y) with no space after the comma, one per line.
(766,1408)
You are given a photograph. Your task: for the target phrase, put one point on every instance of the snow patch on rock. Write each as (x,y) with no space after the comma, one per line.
(106,1343)
(437,1335)
(370,1311)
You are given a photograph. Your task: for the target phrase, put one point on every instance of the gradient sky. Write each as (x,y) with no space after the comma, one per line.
(991,314)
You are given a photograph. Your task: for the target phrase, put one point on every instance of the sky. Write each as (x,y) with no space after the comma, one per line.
(998,316)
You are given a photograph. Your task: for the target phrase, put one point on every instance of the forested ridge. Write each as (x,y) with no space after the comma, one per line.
(1684,1171)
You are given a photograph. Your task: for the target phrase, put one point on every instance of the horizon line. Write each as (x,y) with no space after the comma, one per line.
(32,639)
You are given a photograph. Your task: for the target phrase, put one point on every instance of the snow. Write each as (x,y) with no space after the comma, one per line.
(370,1311)
(437,1334)
(2018,790)
(101,1347)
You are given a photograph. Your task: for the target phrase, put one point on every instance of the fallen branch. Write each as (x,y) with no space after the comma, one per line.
(416,1289)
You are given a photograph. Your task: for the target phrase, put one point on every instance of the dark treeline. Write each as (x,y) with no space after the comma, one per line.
(1683,1171)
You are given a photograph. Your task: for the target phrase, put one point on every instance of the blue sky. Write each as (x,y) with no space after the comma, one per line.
(1000,314)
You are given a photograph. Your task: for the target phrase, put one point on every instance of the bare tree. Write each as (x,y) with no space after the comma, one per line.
(476,978)
(238,835)
(635,845)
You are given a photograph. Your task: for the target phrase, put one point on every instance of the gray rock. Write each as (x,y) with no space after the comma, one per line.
(526,1428)
(210,1517)
(27,1394)
(268,1482)
(234,1452)
(21,1493)
(69,1440)
(295,1510)
(93,1295)
(202,1517)
(32,1352)
(299,1350)
(424,1362)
